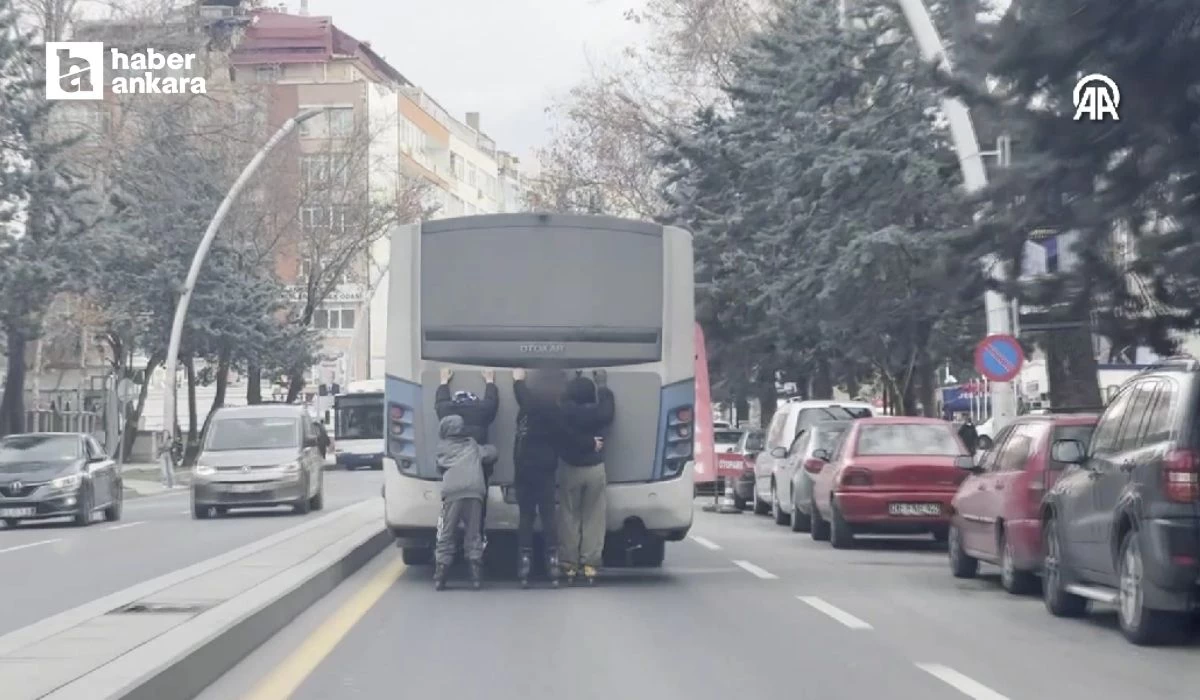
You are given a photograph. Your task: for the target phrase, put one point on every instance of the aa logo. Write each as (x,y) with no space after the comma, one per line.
(74,70)
(1096,97)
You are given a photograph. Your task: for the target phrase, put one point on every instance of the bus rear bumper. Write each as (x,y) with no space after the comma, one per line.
(663,508)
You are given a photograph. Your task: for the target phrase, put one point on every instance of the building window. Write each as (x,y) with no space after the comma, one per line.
(336,122)
(322,170)
(313,217)
(334,319)
(266,74)
(457,206)
(472,175)
(457,165)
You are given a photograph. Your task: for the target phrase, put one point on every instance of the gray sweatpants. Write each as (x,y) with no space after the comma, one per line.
(582,514)
(469,512)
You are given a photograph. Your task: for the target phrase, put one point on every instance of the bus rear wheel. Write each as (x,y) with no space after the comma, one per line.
(651,554)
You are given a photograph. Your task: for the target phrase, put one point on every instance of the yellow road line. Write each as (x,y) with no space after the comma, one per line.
(299,665)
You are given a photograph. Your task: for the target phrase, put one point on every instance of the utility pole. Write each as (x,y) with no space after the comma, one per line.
(170,401)
(966,146)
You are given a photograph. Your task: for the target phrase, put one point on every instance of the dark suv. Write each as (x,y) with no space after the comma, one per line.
(1122,524)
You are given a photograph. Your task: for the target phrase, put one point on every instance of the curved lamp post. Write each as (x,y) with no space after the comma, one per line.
(966,146)
(172,361)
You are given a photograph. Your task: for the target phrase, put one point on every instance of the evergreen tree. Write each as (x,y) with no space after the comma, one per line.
(1124,190)
(43,211)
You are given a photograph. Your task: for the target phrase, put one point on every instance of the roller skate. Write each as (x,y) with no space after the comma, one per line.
(476,574)
(440,572)
(553,570)
(589,575)
(569,573)
(524,566)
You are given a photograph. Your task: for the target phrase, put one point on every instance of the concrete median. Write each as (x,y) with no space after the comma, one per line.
(170,637)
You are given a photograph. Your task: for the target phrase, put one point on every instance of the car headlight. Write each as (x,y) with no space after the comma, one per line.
(202,470)
(290,467)
(67,482)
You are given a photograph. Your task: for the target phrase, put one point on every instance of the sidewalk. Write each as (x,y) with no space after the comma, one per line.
(146,479)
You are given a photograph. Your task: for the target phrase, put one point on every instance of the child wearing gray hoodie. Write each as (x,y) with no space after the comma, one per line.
(461,460)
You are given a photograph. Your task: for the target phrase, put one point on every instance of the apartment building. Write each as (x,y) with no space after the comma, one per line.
(307,62)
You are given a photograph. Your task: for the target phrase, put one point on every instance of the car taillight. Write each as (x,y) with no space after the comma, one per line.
(855,478)
(812,465)
(1181,478)
(684,414)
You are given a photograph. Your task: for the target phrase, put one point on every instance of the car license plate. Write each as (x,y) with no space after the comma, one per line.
(914,509)
(246,488)
(17,512)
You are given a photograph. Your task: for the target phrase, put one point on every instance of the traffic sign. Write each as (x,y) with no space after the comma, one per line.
(999,358)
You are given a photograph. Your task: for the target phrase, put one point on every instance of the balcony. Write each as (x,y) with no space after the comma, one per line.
(343,294)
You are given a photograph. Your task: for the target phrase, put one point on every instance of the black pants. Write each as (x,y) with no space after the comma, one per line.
(537,497)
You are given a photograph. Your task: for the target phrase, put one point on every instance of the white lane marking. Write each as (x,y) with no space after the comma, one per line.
(28,545)
(125,525)
(704,542)
(965,684)
(756,570)
(835,612)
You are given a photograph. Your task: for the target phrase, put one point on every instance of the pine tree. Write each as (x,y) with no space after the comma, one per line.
(1109,185)
(42,210)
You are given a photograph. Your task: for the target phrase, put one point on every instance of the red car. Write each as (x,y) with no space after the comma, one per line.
(890,475)
(997,510)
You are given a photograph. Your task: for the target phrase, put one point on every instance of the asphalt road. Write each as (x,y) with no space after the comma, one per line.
(744,608)
(48,567)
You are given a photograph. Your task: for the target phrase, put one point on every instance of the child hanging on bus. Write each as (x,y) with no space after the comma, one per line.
(589,408)
(461,461)
(477,413)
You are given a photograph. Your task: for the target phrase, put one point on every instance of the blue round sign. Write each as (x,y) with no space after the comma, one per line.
(999,358)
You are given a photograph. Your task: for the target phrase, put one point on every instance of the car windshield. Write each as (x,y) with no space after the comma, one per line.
(756,441)
(908,439)
(227,434)
(23,449)
(811,416)
(727,437)
(360,420)
(827,438)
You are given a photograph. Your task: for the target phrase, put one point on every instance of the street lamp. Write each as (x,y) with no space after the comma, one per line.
(966,146)
(185,297)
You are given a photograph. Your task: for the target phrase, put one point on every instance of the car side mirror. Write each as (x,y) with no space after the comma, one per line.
(778,452)
(1068,452)
(822,454)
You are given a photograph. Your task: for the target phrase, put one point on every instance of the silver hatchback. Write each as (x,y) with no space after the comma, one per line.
(259,456)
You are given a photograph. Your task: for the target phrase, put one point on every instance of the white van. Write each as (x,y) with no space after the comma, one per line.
(790,419)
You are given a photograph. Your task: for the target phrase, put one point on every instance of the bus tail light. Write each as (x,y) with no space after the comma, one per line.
(679,446)
(401,435)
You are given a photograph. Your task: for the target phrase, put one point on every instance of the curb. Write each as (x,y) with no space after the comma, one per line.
(187,676)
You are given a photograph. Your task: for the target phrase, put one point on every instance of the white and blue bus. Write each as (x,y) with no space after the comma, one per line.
(545,290)
(358,425)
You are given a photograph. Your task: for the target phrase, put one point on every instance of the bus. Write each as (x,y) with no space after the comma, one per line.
(358,425)
(579,293)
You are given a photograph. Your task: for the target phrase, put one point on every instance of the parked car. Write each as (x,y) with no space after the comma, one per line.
(259,456)
(748,448)
(726,440)
(997,510)
(889,475)
(1122,525)
(810,451)
(789,419)
(57,475)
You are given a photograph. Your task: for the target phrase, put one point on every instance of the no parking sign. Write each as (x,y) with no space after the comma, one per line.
(999,358)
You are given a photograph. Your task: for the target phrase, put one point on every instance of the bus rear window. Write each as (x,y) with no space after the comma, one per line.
(475,276)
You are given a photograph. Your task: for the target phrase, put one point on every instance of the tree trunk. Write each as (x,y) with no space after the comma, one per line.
(253,383)
(12,406)
(925,378)
(133,413)
(767,398)
(852,387)
(822,385)
(295,384)
(741,410)
(189,371)
(224,360)
(1071,369)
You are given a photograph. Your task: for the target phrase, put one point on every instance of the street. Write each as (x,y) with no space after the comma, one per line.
(742,607)
(54,566)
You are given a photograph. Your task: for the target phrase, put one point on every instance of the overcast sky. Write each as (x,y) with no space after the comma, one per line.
(504,58)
